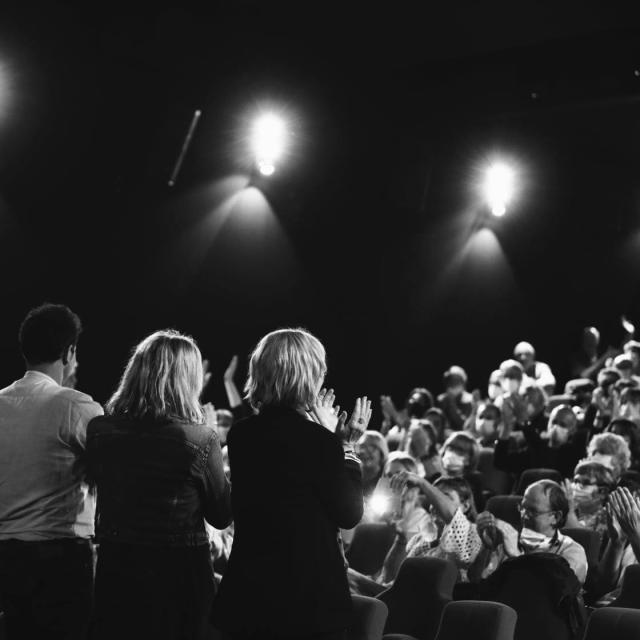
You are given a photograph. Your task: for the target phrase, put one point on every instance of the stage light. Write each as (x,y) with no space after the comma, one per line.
(379,504)
(499,188)
(268,141)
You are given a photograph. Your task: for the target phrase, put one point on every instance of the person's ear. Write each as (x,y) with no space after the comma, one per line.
(67,354)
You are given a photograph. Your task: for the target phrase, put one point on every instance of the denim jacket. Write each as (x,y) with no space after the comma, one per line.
(156,482)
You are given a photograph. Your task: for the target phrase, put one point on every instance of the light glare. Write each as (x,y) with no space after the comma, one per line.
(499,188)
(268,142)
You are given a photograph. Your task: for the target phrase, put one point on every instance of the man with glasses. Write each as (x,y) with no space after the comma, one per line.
(543,512)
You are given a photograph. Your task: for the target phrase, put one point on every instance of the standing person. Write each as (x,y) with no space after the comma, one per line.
(296,481)
(155,459)
(46,511)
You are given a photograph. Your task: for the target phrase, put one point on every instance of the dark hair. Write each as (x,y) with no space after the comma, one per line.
(464,444)
(626,428)
(430,429)
(630,394)
(455,375)
(557,498)
(436,415)
(463,489)
(491,408)
(418,408)
(47,332)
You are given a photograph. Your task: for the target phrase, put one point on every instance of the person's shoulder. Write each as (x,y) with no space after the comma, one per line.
(78,400)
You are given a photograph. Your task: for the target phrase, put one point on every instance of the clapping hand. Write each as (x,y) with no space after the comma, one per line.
(613,526)
(404,480)
(351,430)
(210,417)
(323,412)
(230,371)
(626,510)
(488,530)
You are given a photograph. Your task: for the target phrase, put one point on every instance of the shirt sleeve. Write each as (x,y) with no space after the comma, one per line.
(80,412)
(574,554)
(217,490)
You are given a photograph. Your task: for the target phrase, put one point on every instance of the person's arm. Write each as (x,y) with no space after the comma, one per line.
(607,573)
(217,490)
(443,505)
(395,557)
(233,395)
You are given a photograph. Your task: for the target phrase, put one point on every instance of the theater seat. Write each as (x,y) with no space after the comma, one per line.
(494,481)
(369,617)
(529,476)
(478,620)
(369,547)
(506,508)
(613,623)
(419,594)
(630,590)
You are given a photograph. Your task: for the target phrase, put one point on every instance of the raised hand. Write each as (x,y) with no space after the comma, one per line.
(230,371)
(613,526)
(404,480)
(488,530)
(206,375)
(358,422)
(210,417)
(323,412)
(626,511)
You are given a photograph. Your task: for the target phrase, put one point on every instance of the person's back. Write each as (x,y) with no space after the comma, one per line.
(46,510)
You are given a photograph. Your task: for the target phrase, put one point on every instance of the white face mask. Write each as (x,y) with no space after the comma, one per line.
(532,540)
(511,385)
(452,462)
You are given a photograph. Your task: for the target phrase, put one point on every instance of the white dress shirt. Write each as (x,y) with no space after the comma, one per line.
(43,429)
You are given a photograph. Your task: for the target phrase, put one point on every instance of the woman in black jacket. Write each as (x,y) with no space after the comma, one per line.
(156,462)
(296,481)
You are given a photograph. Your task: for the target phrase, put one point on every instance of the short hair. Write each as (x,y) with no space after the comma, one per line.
(455,374)
(610,444)
(564,414)
(47,332)
(463,489)
(536,395)
(524,347)
(602,475)
(608,376)
(424,403)
(162,380)
(626,428)
(377,440)
(491,408)
(404,459)
(558,500)
(512,369)
(285,369)
(464,444)
(630,395)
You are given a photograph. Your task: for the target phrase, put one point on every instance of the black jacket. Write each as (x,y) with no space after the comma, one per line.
(292,489)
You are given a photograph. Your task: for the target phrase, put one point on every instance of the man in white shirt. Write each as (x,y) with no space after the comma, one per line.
(46,510)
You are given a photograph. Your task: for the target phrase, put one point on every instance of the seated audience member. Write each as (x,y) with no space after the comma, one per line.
(483,424)
(395,423)
(373,452)
(456,402)
(587,493)
(624,365)
(423,448)
(623,543)
(535,401)
(612,451)
(439,422)
(630,405)
(560,447)
(631,434)
(543,513)
(454,537)
(495,388)
(460,454)
(539,372)
(581,390)
(599,414)
(46,509)
(632,348)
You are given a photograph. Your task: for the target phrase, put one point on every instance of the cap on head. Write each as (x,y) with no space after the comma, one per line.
(524,348)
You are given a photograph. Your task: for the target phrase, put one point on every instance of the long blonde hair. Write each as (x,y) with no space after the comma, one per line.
(162,380)
(285,369)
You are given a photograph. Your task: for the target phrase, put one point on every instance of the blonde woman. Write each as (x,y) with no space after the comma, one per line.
(156,462)
(296,481)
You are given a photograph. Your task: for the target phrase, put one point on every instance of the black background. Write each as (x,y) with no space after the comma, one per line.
(370,237)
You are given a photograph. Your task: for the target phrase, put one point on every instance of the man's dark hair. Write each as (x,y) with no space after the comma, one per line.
(47,332)
(557,499)
(418,406)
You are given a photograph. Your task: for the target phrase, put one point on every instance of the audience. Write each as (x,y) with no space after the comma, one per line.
(159,467)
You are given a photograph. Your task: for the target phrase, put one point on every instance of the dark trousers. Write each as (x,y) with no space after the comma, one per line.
(46,588)
(159,593)
(332,635)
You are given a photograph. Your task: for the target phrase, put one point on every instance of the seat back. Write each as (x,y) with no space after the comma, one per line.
(369,617)
(590,540)
(506,508)
(419,594)
(369,547)
(630,590)
(613,622)
(529,476)
(495,481)
(477,619)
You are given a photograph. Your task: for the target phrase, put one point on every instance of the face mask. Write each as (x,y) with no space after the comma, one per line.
(531,410)
(558,435)
(485,428)
(456,390)
(511,385)
(532,540)
(588,498)
(452,462)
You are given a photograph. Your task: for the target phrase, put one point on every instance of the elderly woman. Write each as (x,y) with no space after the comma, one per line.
(156,462)
(296,481)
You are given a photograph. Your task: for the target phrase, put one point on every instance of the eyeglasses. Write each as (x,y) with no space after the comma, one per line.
(532,513)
